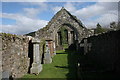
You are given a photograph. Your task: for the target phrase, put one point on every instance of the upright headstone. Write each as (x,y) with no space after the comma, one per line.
(86,46)
(47,58)
(69,37)
(36,65)
(54,48)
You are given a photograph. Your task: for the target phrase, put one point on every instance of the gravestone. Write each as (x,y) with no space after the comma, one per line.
(5,75)
(87,46)
(36,65)
(54,48)
(47,58)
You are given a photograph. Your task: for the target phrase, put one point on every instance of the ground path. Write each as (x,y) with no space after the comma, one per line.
(63,66)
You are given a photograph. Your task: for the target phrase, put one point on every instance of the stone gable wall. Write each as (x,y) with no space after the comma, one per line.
(63,17)
(104,53)
(15,54)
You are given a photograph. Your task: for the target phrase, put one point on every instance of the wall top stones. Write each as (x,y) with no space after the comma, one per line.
(15,58)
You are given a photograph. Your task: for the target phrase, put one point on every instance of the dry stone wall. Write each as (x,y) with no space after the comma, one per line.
(104,53)
(15,54)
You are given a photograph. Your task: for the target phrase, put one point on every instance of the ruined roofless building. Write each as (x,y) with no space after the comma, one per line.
(76,31)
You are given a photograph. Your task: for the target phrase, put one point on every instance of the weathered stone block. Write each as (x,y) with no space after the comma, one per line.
(36,68)
(47,59)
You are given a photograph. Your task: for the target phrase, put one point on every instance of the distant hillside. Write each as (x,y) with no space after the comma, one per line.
(31,34)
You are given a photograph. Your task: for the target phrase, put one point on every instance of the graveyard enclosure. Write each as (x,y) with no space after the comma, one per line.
(15,54)
(26,54)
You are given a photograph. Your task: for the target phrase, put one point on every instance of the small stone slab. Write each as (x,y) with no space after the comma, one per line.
(5,75)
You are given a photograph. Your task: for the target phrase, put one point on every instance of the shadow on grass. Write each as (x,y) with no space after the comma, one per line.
(62,67)
(72,62)
(61,53)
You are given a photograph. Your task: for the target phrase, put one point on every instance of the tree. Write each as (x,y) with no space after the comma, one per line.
(113,25)
(99,29)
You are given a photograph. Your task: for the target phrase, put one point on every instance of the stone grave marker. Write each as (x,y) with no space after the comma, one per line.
(87,46)
(36,65)
(47,58)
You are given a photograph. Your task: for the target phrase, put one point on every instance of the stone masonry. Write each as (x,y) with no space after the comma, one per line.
(36,65)
(103,55)
(63,18)
(15,54)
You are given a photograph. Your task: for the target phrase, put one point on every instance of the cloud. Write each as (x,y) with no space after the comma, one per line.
(24,0)
(100,12)
(107,18)
(107,13)
(60,0)
(69,6)
(27,21)
(56,9)
(96,10)
(89,11)
(23,24)
(104,20)
(33,12)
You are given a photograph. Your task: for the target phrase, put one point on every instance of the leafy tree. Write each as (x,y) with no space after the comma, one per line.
(64,35)
(114,25)
(99,29)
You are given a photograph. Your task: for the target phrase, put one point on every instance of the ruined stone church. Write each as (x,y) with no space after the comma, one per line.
(76,31)
(26,54)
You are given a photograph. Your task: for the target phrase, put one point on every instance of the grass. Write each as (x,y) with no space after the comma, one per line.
(61,67)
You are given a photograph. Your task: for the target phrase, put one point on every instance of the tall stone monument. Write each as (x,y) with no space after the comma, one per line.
(87,46)
(47,58)
(36,65)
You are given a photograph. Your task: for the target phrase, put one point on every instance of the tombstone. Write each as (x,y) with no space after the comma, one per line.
(51,47)
(54,48)
(36,65)
(87,46)
(5,75)
(47,56)
(69,37)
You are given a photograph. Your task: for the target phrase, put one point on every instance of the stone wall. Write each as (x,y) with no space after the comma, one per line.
(15,54)
(63,18)
(104,53)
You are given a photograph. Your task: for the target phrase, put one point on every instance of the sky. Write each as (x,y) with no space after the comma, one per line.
(24,17)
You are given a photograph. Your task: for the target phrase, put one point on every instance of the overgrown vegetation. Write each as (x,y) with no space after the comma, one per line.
(7,35)
(64,35)
(99,29)
(31,34)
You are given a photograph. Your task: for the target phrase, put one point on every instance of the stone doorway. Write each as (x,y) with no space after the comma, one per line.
(65,37)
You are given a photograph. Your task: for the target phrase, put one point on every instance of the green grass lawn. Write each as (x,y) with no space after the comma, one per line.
(61,67)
